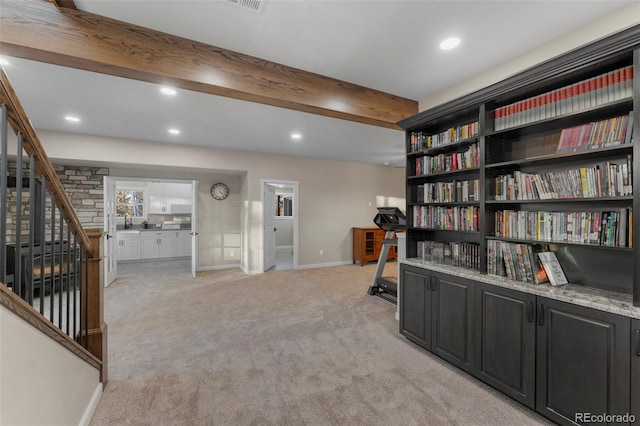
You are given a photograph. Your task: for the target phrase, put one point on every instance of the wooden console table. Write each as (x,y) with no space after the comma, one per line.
(367,243)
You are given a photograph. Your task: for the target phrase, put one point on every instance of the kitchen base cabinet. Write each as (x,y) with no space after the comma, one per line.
(436,313)
(183,244)
(582,361)
(635,369)
(128,247)
(158,244)
(505,341)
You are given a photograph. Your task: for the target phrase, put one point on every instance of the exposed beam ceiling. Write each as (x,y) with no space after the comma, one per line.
(40,31)
(69,4)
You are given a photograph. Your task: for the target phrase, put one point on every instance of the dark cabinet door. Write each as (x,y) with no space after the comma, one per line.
(505,347)
(452,328)
(583,361)
(415,305)
(635,369)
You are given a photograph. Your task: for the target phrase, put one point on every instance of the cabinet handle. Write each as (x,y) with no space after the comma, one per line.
(530,313)
(637,333)
(435,284)
(540,315)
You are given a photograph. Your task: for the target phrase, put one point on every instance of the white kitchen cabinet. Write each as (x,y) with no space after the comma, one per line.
(184,243)
(169,198)
(128,247)
(158,244)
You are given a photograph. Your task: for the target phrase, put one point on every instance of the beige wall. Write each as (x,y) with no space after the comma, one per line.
(334,196)
(55,389)
(621,19)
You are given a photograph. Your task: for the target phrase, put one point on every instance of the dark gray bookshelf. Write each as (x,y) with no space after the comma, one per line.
(531,148)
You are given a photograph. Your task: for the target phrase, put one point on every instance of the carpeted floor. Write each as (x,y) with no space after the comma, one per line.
(282,348)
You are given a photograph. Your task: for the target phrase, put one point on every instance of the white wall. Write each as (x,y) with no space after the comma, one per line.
(619,20)
(55,389)
(334,196)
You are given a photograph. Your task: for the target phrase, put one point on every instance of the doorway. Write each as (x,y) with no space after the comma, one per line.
(136,208)
(279,224)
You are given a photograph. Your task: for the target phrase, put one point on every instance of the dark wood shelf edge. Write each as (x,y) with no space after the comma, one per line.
(563,156)
(596,246)
(562,200)
(443,174)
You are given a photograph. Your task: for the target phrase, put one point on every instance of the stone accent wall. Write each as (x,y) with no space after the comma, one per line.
(84,187)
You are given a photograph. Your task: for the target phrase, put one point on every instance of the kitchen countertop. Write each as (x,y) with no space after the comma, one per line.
(603,300)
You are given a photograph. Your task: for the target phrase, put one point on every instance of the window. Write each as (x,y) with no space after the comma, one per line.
(130,203)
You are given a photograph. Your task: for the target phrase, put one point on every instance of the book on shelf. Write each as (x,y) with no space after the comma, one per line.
(462,254)
(600,134)
(516,261)
(448,162)
(446,218)
(420,141)
(449,192)
(593,92)
(606,179)
(552,267)
(607,228)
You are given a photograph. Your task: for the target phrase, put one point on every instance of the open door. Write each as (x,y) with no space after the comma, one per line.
(194,227)
(269,231)
(110,250)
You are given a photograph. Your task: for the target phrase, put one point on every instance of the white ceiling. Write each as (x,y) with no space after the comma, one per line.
(390,46)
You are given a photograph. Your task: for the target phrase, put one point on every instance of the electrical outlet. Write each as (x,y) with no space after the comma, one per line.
(369,203)
(231,253)
(321,252)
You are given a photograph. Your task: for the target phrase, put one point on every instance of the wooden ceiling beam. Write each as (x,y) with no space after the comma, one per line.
(40,31)
(69,4)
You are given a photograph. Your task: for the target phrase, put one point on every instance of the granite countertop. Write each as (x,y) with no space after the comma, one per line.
(608,301)
(140,229)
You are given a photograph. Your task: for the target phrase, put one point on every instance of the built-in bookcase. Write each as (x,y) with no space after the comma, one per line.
(554,153)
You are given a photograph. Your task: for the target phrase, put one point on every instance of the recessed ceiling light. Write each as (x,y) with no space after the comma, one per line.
(296,136)
(450,43)
(72,118)
(174,131)
(168,91)
(386,163)
(3,62)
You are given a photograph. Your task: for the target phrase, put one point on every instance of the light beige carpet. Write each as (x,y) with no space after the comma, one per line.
(280,348)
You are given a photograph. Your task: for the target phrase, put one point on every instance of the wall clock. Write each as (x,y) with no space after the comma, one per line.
(219,191)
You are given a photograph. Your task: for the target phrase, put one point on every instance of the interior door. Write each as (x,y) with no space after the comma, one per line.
(194,227)
(111,262)
(269,231)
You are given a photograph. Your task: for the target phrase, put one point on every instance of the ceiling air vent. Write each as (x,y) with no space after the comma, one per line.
(254,6)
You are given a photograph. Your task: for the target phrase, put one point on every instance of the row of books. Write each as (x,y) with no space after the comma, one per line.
(599,90)
(449,192)
(518,262)
(601,134)
(607,179)
(448,162)
(446,218)
(607,228)
(530,263)
(462,254)
(420,141)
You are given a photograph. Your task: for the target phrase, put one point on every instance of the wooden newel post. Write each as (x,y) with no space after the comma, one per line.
(97,343)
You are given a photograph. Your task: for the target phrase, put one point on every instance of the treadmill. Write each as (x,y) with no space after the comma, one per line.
(390,220)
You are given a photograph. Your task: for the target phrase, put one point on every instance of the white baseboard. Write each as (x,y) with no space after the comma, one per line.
(216,267)
(91,408)
(325,265)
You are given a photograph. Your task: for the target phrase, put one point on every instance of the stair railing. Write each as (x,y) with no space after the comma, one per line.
(47,259)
